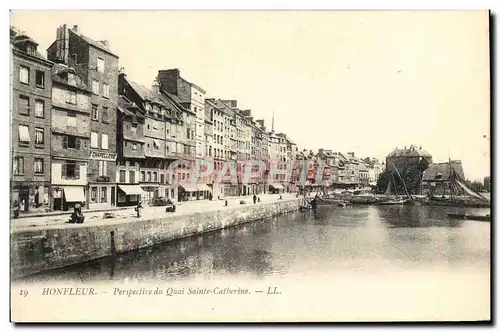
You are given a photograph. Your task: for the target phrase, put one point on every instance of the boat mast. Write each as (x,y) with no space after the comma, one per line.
(452,178)
(404,184)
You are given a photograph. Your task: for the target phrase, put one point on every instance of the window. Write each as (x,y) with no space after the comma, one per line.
(104,141)
(39,106)
(95,112)
(103,168)
(104,195)
(71,97)
(143,176)
(39,135)
(133,129)
(70,170)
(131,177)
(148,176)
(94,140)
(71,79)
(24,134)
(71,142)
(18,167)
(104,115)
(38,165)
(100,65)
(24,74)
(134,146)
(155,177)
(24,105)
(122,176)
(30,49)
(93,194)
(105,90)
(162,178)
(39,79)
(71,119)
(95,87)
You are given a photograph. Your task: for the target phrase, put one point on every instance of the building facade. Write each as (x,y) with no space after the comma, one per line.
(71,138)
(97,67)
(130,149)
(31,84)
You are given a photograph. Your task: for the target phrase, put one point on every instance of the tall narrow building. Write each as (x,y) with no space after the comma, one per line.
(97,66)
(31,85)
(192,97)
(70,138)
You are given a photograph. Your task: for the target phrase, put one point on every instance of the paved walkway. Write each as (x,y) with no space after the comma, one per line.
(149,212)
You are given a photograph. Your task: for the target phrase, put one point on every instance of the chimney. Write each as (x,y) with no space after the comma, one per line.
(105,43)
(168,80)
(155,87)
(75,28)
(231,103)
(60,53)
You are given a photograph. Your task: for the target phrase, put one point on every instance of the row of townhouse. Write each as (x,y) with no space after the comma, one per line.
(345,170)
(83,132)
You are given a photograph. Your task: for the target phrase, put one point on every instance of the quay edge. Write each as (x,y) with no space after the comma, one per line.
(44,249)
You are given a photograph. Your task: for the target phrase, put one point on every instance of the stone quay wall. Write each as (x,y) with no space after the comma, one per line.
(51,247)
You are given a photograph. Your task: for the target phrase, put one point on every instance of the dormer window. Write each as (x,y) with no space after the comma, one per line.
(71,79)
(147,106)
(31,49)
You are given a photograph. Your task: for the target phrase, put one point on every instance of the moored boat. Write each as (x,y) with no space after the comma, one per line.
(394,202)
(466,216)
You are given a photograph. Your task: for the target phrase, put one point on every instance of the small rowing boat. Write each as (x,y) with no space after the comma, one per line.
(465,216)
(393,202)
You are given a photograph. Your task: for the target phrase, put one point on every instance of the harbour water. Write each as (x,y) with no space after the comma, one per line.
(361,263)
(357,240)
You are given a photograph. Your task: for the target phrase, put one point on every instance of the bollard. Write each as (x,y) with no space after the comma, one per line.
(225,203)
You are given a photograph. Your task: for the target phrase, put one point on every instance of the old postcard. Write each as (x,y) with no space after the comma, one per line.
(250,166)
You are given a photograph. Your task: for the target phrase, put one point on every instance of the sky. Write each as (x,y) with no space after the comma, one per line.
(360,81)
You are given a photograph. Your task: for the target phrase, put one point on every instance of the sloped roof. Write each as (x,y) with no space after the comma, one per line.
(146,94)
(443,168)
(413,151)
(59,72)
(94,43)
(22,38)
(124,105)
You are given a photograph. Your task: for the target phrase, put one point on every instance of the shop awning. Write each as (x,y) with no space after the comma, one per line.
(277,186)
(132,189)
(24,134)
(74,194)
(189,186)
(203,187)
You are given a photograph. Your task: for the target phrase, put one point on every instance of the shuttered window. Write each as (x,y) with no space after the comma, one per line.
(71,142)
(70,170)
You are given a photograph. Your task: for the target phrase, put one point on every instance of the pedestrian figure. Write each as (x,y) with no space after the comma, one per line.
(16,209)
(138,209)
(280,197)
(170,207)
(313,204)
(254,199)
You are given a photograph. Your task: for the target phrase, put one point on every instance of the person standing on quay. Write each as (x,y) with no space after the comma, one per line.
(254,198)
(138,209)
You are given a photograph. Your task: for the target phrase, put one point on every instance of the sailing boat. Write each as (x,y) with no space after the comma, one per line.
(460,194)
(397,201)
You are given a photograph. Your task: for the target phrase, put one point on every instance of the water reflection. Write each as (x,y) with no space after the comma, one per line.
(332,240)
